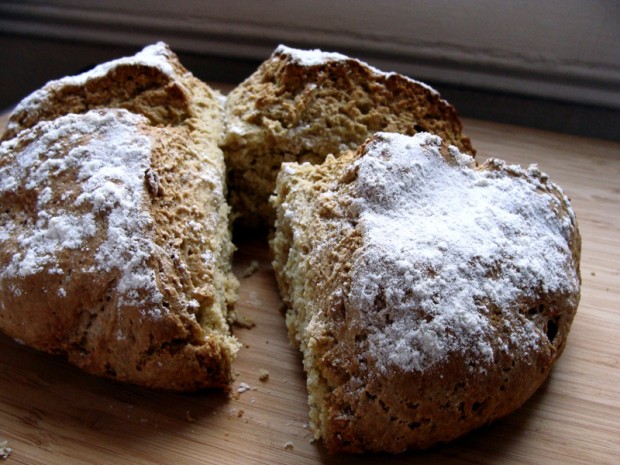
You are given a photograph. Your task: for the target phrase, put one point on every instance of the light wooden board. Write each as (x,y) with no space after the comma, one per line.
(50,413)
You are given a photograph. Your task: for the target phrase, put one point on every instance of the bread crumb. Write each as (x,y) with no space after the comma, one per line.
(5,451)
(240,413)
(244,387)
(245,322)
(251,269)
(189,417)
(289,445)
(263,375)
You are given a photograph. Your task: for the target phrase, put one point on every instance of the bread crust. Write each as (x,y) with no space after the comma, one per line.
(152,83)
(167,324)
(364,400)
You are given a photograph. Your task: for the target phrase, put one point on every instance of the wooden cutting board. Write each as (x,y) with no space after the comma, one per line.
(50,413)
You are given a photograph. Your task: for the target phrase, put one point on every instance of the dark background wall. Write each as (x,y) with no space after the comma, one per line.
(553,65)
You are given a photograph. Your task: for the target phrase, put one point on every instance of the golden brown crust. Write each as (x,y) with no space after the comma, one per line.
(361,402)
(165,325)
(291,110)
(137,85)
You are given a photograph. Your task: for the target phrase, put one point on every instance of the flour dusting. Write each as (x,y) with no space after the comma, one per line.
(103,156)
(317,57)
(443,242)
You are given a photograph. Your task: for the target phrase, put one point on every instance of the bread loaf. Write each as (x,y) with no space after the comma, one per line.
(429,295)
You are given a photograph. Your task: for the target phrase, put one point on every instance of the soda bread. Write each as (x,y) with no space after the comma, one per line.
(115,245)
(429,295)
(301,105)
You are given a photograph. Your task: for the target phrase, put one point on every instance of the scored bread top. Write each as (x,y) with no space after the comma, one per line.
(318,57)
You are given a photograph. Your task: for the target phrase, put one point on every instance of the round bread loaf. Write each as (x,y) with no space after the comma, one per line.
(301,105)
(429,295)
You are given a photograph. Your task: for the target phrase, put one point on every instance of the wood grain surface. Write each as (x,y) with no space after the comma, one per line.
(51,413)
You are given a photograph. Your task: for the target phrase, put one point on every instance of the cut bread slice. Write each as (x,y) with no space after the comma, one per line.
(176,230)
(429,295)
(301,105)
